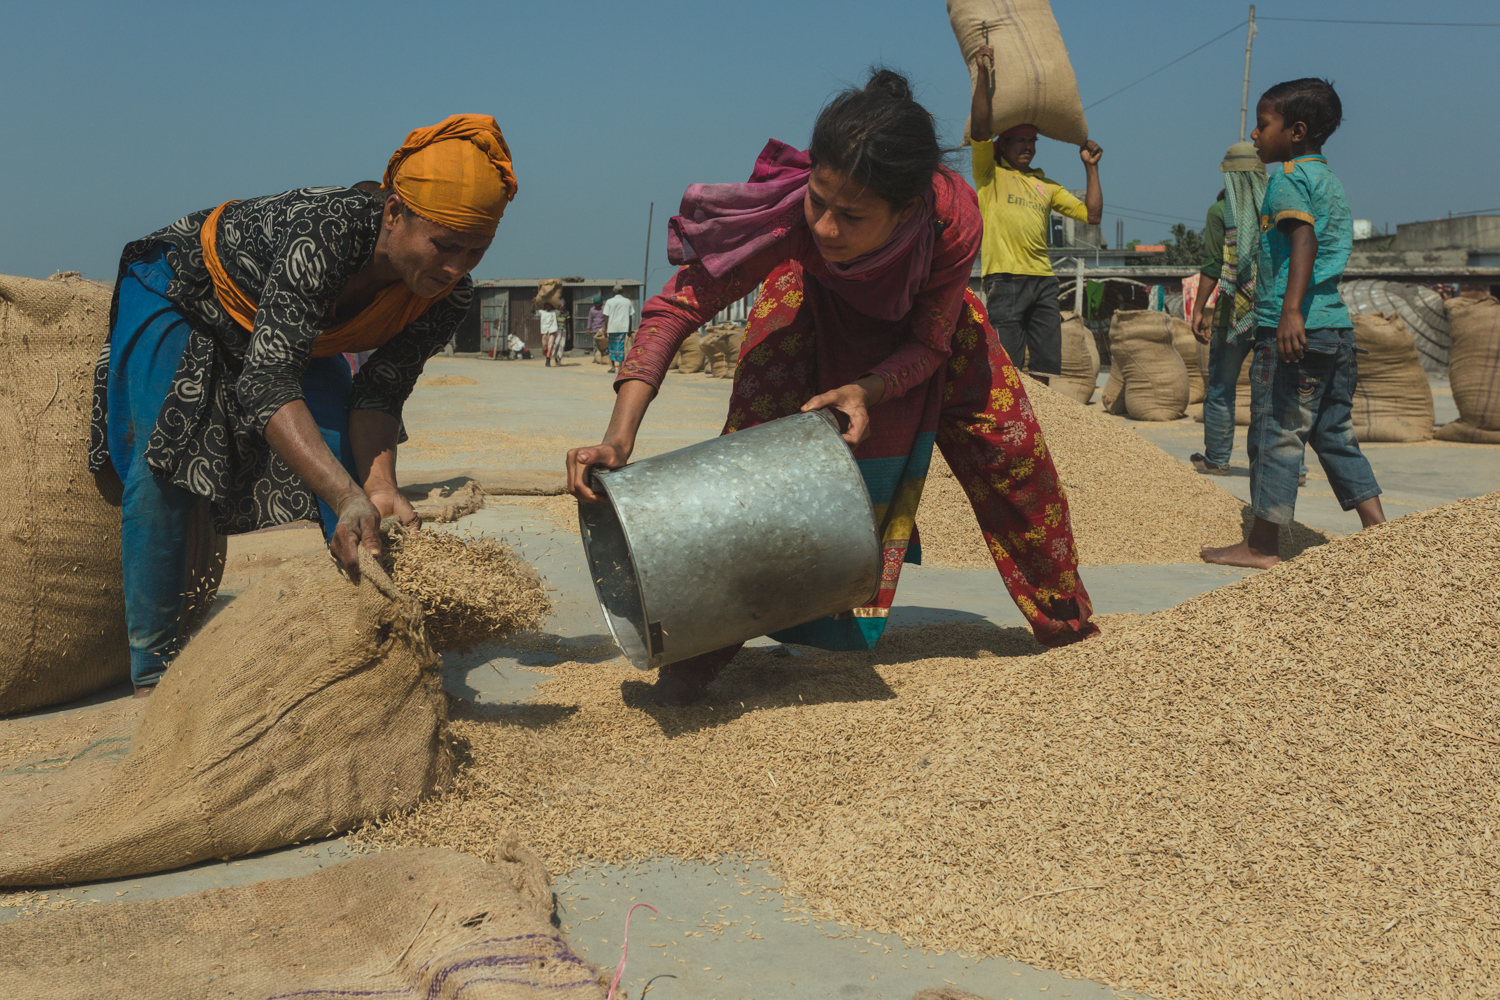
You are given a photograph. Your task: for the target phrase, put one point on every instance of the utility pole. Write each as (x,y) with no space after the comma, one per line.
(1245,93)
(646,268)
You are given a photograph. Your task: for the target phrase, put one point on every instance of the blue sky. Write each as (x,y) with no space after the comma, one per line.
(119,118)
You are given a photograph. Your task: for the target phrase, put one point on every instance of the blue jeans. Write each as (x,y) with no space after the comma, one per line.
(145,349)
(1224,363)
(1301,403)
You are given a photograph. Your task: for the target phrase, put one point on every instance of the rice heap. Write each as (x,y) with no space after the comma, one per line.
(1131,502)
(1284,787)
(471,589)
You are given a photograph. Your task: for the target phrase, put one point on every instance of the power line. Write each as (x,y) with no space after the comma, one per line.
(1147,211)
(1409,24)
(1174,62)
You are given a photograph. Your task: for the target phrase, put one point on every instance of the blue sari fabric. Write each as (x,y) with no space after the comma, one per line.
(145,348)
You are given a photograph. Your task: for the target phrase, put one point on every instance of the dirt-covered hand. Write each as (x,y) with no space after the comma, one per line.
(358,526)
(391,502)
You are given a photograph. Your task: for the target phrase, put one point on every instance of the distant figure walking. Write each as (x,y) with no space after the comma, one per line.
(597,329)
(620,312)
(553,339)
(1017,204)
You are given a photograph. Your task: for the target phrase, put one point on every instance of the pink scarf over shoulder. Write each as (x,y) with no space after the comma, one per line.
(723,225)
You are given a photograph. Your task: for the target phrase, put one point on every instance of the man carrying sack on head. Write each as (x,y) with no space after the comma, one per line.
(224,377)
(1017,204)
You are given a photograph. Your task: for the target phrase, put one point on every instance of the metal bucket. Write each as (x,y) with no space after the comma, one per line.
(730,539)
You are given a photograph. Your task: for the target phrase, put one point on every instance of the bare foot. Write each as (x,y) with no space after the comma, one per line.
(143,690)
(1239,555)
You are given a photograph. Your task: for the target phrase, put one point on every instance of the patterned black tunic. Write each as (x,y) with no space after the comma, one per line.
(292,253)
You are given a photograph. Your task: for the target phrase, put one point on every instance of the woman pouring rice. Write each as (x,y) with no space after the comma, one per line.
(862,247)
(224,378)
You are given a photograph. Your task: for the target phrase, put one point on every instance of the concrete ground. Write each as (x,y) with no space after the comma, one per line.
(724,931)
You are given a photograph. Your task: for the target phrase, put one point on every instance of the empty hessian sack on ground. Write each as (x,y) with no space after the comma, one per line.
(1080,360)
(1147,378)
(1474,370)
(1194,358)
(62,607)
(1392,400)
(400,925)
(1034,79)
(308,705)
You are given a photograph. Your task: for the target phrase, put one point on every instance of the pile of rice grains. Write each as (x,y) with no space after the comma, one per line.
(1284,787)
(470,588)
(1130,501)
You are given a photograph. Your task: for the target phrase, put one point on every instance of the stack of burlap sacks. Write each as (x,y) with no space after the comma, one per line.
(1474,370)
(62,609)
(1159,372)
(714,352)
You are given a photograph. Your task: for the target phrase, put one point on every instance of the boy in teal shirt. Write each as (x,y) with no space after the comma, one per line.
(1303,373)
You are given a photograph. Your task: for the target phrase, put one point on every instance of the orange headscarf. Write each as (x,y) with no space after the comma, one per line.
(456,173)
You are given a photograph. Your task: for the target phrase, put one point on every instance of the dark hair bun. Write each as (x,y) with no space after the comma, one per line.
(889,83)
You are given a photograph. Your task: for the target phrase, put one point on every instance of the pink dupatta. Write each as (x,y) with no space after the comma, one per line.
(723,225)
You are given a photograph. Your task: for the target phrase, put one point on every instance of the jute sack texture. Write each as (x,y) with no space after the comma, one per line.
(1194,358)
(548,294)
(62,606)
(1392,400)
(305,707)
(1474,370)
(1147,378)
(690,355)
(1035,84)
(601,348)
(1080,360)
(399,925)
(721,349)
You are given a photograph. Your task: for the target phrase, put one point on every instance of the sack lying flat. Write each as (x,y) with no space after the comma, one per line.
(1474,370)
(1034,81)
(307,706)
(400,925)
(1147,378)
(1392,400)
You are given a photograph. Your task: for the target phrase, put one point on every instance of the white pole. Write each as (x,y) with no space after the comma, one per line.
(1078,291)
(1245,93)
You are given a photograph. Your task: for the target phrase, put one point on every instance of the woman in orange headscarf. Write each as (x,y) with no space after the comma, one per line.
(224,381)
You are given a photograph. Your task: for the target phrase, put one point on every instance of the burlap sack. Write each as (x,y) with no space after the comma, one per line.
(548,294)
(1034,79)
(1080,360)
(601,348)
(690,357)
(62,609)
(1474,370)
(1194,358)
(716,349)
(732,345)
(399,925)
(306,706)
(1147,378)
(1392,400)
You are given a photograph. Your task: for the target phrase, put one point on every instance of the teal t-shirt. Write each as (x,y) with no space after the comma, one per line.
(1304,189)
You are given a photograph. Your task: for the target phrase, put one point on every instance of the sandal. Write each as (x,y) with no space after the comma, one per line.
(1207,468)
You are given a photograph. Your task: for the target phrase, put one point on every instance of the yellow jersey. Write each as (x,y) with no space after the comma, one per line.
(1016,206)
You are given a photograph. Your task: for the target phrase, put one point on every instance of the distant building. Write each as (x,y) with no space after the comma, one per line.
(503,305)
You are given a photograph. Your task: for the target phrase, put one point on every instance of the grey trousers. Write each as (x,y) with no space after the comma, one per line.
(1023,310)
